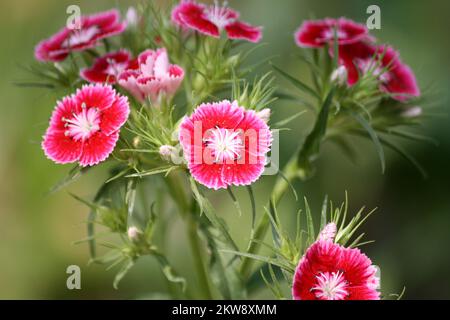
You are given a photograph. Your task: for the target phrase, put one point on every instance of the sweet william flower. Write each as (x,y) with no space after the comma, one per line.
(153,77)
(395,76)
(84,127)
(108,67)
(93,28)
(225,144)
(211,20)
(329,271)
(318,33)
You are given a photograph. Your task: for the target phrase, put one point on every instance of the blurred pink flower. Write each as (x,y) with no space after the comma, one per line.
(153,77)
(93,28)
(108,67)
(211,20)
(84,127)
(317,33)
(395,76)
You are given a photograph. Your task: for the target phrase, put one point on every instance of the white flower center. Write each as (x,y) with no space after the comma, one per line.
(219,15)
(225,144)
(84,124)
(330,286)
(81,36)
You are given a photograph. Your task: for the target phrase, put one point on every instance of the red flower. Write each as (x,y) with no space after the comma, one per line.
(211,20)
(108,67)
(395,76)
(317,33)
(329,271)
(84,127)
(93,28)
(225,144)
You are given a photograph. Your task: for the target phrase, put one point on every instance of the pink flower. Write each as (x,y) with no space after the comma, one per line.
(211,20)
(329,271)
(317,33)
(225,144)
(84,127)
(108,67)
(395,76)
(153,77)
(93,28)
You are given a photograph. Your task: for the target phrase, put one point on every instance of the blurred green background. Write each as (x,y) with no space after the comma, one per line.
(411,226)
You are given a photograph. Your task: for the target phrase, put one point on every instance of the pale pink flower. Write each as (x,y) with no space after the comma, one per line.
(154,77)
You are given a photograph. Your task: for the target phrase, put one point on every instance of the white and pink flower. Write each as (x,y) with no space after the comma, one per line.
(153,77)
(84,127)
(93,28)
(212,20)
(225,144)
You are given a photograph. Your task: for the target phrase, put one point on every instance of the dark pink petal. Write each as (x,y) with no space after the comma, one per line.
(115,116)
(97,96)
(351,55)
(317,33)
(192,15)
(243,31)
(209,175)
(403,82)
(60,148)
(107,67)
(97,148)
(50,49)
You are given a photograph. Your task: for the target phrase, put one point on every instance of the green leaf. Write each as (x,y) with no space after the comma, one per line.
(405,155)
(309,224)
(122,272)
(272,261)
(223,274)
(323,216)
(168,271)
(150,172)
(311,147)
(253,205)
(235,201)
(299,84)
(373,135)
(207,208)
(74,174)
(289,119)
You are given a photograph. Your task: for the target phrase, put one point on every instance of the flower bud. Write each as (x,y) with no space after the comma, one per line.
(131,17)
(166,152)
(264,114)
(136,141)
(134,234)
(328,232)
(412,112)
(339,75)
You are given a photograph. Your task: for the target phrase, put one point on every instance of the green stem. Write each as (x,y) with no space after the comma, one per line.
(290,172)
(184,204)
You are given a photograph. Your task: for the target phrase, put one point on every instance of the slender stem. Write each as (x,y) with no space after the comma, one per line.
(290,173)
(187,211)
(202,271)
